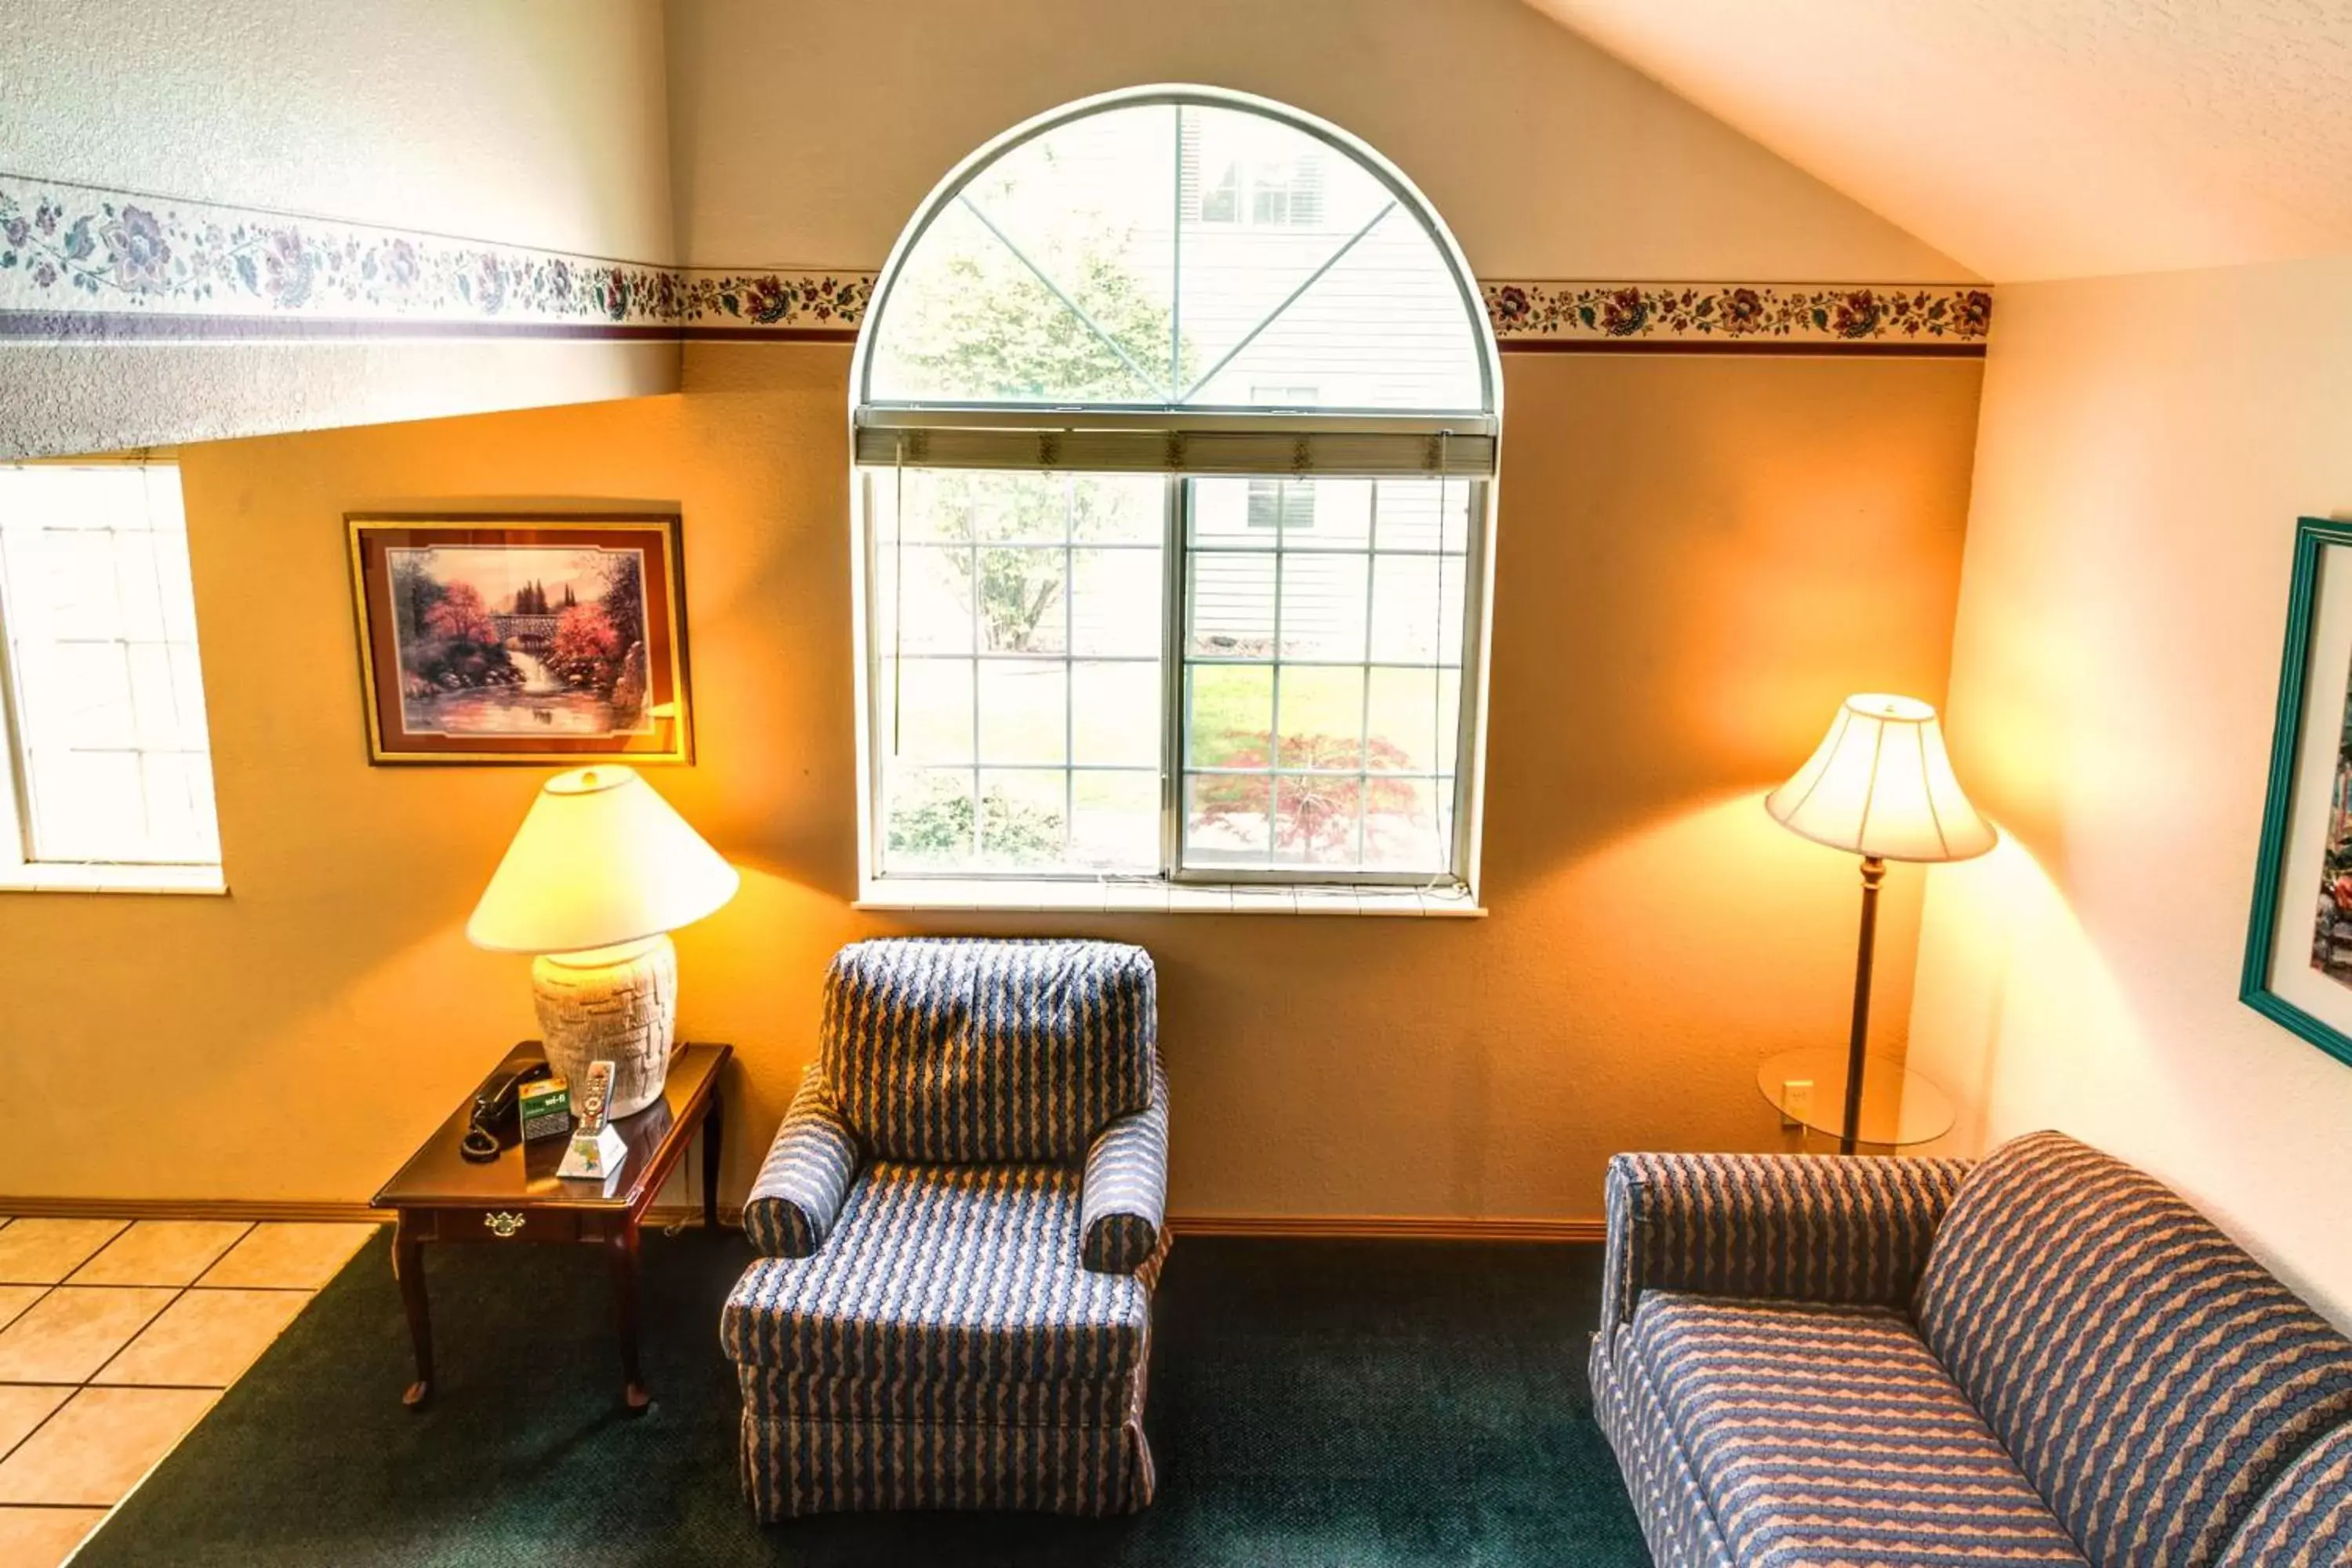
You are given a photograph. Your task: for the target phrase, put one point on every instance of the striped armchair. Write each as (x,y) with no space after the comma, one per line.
(960,1226)
(2046,1359)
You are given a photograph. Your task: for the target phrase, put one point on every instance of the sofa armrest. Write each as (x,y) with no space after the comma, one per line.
(807,1174)
(1122,1206)
(1805,1227)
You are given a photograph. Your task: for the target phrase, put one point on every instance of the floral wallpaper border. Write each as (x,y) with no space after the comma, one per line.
(78,263)
(1741,315)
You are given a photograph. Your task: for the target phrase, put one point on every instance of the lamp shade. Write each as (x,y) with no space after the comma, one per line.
(1881,784)
(600,859)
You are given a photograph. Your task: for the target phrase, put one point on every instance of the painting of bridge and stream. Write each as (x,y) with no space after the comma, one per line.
(501,643)
(519,641)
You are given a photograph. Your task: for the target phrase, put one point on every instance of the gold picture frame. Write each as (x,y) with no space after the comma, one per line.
(521,637)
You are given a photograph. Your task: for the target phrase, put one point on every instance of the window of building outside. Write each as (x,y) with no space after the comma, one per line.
(1175,416)
(108,763)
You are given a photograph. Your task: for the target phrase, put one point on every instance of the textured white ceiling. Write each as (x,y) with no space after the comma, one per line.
(2033,138)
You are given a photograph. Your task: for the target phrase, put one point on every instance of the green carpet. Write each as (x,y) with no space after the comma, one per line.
(1351,1403)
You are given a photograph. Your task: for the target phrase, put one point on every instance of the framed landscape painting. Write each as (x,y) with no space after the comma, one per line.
(2298,968)
(522,639)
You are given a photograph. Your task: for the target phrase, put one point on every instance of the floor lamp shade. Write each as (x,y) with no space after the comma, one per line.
(599,872)
(1881,785)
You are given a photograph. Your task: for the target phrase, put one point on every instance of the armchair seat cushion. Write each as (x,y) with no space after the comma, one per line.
(944,1294)
(1827,1435)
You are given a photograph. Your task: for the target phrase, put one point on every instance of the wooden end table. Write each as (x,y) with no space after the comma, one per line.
(440,1195)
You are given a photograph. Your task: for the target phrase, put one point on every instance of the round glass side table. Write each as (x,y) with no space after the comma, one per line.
(1900,1107)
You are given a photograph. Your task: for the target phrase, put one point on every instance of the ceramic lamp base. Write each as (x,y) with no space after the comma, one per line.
(617,1004)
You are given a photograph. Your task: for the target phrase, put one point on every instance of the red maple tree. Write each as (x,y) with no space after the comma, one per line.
(1315,813)
(461,615)
(584,641)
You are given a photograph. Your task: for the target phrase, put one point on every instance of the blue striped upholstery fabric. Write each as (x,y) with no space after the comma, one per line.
(957,1051)
(1676,1524)
(1122,1208)
(794,1467)
(1806,1227)
(2304,1520)
(806,1176)
(2150,1377)
(945,1348)
(1826,1435)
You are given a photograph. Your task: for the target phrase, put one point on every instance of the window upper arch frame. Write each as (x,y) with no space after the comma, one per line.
(1478,419)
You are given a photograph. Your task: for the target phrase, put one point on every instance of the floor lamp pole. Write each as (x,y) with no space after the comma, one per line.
(1874,871)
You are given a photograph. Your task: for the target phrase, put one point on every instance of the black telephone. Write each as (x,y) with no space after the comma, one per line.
(494,1126)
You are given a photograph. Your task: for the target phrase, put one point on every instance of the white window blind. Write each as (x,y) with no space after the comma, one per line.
(108,755)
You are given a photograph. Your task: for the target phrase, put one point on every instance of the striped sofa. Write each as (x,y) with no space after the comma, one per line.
(959,1226)
(2046,1358)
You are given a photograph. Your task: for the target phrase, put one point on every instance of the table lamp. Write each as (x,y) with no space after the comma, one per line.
(1880,786)
(601,870)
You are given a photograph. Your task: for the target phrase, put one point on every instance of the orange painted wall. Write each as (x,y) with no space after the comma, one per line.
(1696,558)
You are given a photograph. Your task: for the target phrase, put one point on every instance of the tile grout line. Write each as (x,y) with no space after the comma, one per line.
(48,1290)
(78,1389)
(116,1354)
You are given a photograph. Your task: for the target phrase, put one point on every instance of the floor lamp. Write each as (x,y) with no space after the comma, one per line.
(1880,786)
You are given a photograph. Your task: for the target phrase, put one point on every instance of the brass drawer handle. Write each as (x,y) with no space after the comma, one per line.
(503,1225)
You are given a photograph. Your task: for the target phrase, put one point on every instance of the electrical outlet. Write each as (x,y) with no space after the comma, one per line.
(1796,1101)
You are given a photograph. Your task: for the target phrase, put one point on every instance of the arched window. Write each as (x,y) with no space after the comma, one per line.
(1175,413)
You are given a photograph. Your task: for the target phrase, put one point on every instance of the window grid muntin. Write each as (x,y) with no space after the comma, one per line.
(978,768)
(1391,425)
(1450,786)
(1448,827)
(945,198)
(182,678)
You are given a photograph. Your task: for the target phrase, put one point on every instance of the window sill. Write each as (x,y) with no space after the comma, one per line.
(53,877)
(1052,897)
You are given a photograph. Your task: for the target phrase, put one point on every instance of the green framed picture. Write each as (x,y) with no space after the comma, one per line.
(2298,967)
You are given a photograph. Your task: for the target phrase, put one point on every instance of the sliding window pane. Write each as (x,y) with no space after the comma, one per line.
(1231,721)
(1322,721)
(1317,818)
(1023,711)
(1006,578)
(1117,602)
(1115,715)
(930,823)
(933,697)
(1412,720)
(1324,606)
(1115,820)
(1227,820)
(1416,609)
(1024,819)
(1232,605)
(1408,823)
(1364,631)
(923,600)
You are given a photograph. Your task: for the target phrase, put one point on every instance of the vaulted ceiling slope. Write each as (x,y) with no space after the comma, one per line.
(2034,139)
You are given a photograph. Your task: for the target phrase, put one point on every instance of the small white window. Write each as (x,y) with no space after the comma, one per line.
(108,780)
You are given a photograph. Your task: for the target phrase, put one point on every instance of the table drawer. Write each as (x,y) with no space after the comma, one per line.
(496,1225)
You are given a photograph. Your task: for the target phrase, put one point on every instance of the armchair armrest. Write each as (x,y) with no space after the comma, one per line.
(1122,1204)
(806,1175)
(1806,1227)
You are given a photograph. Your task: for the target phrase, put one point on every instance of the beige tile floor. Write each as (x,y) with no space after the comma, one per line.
(115,1338)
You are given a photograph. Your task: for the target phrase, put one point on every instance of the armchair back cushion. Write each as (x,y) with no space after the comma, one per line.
(2149,1378)
(958,1051)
